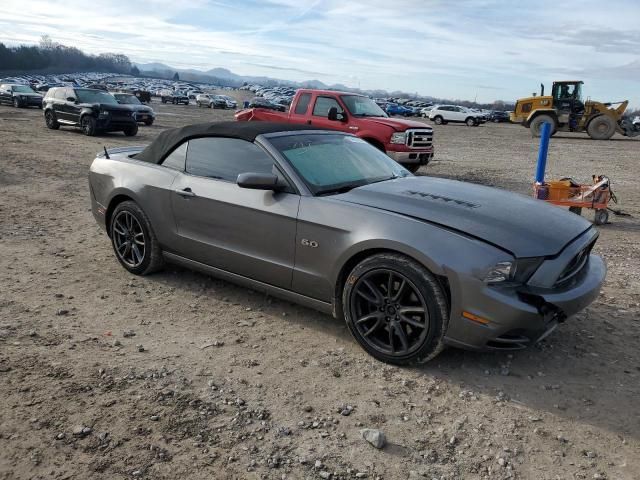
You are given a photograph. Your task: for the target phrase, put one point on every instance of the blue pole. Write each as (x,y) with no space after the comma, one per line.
(545,135)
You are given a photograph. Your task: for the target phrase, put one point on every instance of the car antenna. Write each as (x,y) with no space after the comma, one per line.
(106,154)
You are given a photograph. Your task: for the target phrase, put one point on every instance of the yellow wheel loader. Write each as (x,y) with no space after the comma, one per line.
(566,112)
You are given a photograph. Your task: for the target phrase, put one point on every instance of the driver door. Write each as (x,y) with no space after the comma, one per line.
(321,108)
(247,232)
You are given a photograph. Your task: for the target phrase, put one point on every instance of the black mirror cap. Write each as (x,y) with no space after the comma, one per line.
(259,181)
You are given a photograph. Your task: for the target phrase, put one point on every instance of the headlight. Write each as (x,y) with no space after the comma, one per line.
(517,272)
(399,138)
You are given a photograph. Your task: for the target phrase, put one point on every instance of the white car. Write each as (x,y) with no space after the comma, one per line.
(424,112)
(636,121)
(443,114)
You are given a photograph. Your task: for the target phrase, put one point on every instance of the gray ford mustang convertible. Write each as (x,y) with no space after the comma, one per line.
(324,219)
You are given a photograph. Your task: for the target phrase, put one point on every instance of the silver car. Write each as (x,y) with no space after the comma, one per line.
(324,219)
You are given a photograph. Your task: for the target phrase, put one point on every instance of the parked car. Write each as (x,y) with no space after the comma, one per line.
(230,102)
(408,142)
(141,113)
(443,114)
(211,101)
(323,218)
(258,102)
(425,111)
(636,120)
(19,96)
(168,96)
(498,116)
(395,109)
(93,111)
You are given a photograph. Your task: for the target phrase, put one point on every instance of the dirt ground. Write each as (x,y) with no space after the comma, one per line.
(104,375)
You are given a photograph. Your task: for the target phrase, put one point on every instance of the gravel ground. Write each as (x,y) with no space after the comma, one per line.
(104,375)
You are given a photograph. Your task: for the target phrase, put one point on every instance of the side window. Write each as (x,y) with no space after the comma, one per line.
(175,160)
(60,94)
(323,104)
(303,104)
(226,158)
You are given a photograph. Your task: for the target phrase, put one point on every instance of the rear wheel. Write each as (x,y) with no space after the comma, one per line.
(438,120)
(134,242)
(88,125)
(536,124)
(396,309)
(601,128)
(50,120)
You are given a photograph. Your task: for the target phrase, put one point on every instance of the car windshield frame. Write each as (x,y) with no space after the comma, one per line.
(359,157)
(130,99)
(99,96)
(22,89)
(349,103)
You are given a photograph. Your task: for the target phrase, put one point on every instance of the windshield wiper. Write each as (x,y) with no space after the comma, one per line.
(342,189)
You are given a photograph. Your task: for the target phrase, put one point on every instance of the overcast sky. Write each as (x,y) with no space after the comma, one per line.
(464,49)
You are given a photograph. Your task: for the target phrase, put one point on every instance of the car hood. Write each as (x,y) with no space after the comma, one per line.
(397,124)
(107,107)
(139,108)
(518,224)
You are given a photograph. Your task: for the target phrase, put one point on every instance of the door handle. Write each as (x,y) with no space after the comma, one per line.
(185,192)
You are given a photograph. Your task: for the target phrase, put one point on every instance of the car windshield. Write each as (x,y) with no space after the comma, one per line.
(337,163)
(128,99)
(22,89)
(86,95)
(360,106)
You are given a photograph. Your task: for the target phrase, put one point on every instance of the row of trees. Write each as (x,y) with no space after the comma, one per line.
(52,56)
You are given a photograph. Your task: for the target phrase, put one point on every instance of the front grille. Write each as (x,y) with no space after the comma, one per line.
(575,266)
(419,138)
(121,115)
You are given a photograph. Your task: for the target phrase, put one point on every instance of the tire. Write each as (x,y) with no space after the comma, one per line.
(412,167)
(576,210)
(471,122)
(495,120)
(601,128)
(88,125)
(16,102)
(438,120)
(50,120)
(536,124)
(601,217)
(131,131)
(148,258)
(148,123)
(378,319)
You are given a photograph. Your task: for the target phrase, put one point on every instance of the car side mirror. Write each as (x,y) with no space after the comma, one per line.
(259,181)
(71,99)
(334,116)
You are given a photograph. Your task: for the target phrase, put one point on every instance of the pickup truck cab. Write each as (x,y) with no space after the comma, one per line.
(408,142)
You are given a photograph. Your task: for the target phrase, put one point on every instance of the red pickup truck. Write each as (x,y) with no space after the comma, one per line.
(408,142)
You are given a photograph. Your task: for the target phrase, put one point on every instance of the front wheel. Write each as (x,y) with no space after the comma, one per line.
(16,102)
(396,309)
(133,240)
(601,217)
(471,122)
(601,128)
(88,125)
(131,131)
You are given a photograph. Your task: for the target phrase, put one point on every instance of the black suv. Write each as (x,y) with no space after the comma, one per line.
(19,95)
(90,109)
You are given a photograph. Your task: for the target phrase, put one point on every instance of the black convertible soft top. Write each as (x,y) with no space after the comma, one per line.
(169,139)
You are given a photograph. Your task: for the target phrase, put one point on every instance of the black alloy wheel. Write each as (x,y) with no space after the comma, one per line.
(396,309)
(16,102)
(128,239)
(389,312)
